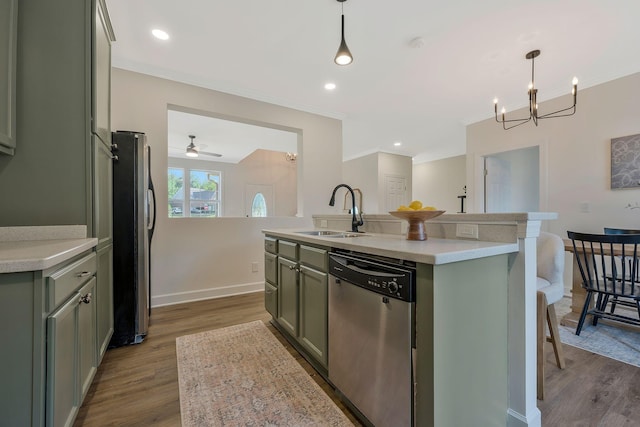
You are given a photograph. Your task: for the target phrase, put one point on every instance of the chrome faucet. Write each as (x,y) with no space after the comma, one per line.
(354,220)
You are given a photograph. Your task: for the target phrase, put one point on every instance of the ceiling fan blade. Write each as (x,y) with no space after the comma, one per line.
(206,153)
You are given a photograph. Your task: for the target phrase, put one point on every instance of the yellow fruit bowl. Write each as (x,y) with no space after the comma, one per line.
(416,221)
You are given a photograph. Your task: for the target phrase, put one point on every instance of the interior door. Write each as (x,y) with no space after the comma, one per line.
(395,190)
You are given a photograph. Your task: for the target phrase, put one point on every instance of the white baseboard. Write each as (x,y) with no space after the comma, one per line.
(203,294)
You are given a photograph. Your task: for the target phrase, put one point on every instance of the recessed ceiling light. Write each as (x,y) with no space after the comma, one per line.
(330,86)
(397,144)
(159,34)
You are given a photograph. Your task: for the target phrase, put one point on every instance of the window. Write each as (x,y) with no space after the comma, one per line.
(259,206)
(203,188)
(176,192)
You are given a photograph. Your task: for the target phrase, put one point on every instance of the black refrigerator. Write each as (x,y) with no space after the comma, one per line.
(134,208)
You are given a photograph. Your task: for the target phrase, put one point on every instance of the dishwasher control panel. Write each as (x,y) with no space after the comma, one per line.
(392,279)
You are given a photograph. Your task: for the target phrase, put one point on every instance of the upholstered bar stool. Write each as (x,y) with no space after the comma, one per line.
(550,289)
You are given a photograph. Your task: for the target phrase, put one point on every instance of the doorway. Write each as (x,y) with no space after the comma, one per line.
(512,181)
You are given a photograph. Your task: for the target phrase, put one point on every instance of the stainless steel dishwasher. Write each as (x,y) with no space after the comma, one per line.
(371,335)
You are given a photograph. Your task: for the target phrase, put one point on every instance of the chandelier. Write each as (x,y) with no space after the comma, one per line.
(533,102)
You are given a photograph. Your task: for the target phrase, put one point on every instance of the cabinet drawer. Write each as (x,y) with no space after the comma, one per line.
(65,281)
(271,267)
(313,257)
(288,249)
(271,299)
(271,245)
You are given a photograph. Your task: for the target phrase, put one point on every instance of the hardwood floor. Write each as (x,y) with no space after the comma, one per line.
(138,385)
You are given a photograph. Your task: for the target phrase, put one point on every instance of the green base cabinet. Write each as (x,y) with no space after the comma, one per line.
(71,355)
(302,286)
(49,325)
(312,331)
(104,300)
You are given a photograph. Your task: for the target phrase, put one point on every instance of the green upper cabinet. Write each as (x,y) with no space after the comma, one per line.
(8,45)
(62,95)
(101,91)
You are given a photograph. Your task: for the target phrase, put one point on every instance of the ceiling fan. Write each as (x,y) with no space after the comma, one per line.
(193,151)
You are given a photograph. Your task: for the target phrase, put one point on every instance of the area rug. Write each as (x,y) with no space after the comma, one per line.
(610,341)
(243,376)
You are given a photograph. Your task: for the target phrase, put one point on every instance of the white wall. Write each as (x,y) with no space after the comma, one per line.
(194,258)
(362,173)
(368,173)
(440,182)
(575,157)
(393,165)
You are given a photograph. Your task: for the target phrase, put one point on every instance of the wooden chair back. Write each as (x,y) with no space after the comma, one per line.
(595,255)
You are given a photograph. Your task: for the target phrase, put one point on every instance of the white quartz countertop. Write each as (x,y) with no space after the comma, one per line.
(431,251)
(35,248)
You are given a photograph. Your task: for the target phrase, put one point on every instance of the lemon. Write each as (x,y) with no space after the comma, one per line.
(429,208)
(404,208)
(415,205)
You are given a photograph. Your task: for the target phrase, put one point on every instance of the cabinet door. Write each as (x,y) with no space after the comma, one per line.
(87,353)
(102,192)
(101,111)
(313,313)
(288,295)
(8,40)
(104,299)
(63,394)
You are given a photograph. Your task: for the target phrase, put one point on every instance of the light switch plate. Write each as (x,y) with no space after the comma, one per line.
(467,231)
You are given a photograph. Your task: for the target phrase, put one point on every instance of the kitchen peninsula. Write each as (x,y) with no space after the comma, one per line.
(475,309)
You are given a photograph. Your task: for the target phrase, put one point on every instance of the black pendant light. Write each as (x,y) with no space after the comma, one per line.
(343,56)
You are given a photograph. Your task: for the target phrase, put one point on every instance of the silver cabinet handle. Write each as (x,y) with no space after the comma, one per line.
(84,274)
(85,299)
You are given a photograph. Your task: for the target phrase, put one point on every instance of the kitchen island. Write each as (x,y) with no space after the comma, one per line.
(475,314)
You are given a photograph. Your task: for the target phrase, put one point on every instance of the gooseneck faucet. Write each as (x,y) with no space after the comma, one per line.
(354,221)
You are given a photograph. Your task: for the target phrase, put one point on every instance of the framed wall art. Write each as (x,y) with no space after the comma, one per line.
(625,162)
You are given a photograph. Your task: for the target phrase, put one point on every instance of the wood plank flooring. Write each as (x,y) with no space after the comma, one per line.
(138,385)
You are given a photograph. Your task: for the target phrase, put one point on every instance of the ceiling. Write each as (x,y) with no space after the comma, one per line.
(421,93)
(232,140)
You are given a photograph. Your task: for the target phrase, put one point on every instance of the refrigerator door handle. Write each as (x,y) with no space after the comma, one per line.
(151,206)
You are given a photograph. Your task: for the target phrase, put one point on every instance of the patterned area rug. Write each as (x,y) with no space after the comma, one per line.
(243,376)
(610,341)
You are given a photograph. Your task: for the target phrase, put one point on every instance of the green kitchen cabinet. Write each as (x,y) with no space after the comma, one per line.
(302,286)
(8,45)
(312,328)
(104,299)
(49,325)
(288,295)
(71,355)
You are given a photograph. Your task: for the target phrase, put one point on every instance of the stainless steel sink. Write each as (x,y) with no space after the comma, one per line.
(347,234)
(328,233)
(320,232)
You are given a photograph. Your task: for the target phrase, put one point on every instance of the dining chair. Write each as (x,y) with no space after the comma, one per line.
(603,277)
(616,300)
(550,289)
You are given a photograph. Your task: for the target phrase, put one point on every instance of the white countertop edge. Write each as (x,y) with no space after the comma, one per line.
(42,232)
(36,255)
(431,251)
